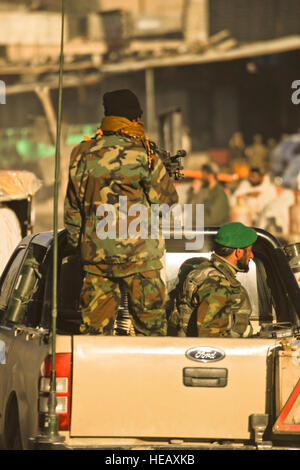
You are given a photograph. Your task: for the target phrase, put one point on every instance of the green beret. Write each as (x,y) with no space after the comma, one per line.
(235,235)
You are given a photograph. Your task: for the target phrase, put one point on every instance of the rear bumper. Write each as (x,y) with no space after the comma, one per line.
(155,451)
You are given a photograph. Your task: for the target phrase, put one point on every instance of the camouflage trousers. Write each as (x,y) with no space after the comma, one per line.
(101,296)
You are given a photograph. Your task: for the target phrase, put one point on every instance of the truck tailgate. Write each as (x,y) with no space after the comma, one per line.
(134,387)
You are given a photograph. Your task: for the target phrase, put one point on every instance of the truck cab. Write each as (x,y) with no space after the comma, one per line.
(136,392)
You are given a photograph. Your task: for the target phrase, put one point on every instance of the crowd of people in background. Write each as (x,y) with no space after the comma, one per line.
(279,159)
(264,187)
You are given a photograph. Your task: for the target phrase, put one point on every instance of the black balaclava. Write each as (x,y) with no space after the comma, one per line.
(122,103)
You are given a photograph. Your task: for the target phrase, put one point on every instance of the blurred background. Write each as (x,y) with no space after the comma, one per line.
(215,78)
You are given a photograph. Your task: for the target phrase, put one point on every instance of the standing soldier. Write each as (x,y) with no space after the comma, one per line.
(120,161)
(214,198)
(212,302)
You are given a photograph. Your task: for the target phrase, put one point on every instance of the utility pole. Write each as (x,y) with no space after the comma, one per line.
(150,102)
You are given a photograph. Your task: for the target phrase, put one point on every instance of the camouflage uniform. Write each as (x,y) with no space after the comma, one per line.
(102,170)
(101,296)
(212,302)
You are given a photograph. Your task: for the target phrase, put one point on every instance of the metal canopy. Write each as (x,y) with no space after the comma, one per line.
(209,54)
(274,46)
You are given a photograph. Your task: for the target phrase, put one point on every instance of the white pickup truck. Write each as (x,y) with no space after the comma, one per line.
(135,392)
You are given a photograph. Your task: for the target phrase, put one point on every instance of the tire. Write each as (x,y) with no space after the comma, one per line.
(13,439)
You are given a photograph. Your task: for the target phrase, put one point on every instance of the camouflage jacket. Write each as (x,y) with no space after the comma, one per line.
(100,172)
(212,302)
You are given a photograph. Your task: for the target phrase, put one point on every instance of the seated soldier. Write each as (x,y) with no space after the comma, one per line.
(212,302)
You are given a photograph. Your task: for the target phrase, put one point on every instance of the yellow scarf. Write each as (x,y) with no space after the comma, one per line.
(121,125)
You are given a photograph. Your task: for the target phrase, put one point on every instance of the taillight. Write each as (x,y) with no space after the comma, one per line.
(63,390)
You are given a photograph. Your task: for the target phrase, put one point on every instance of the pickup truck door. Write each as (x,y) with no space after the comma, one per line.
(20,346)
(161,388)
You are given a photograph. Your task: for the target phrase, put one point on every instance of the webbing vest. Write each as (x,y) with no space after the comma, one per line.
(189,304)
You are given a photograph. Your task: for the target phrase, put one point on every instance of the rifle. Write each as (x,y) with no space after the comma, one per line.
(172,162)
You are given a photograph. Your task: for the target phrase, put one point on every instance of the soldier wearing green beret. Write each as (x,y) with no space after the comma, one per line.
(212,302)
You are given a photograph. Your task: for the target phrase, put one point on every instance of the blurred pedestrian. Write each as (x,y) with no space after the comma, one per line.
(285,161)
(271,145)
(257,191)
(238,161)
(11,234)
(210,192)
(257,154)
